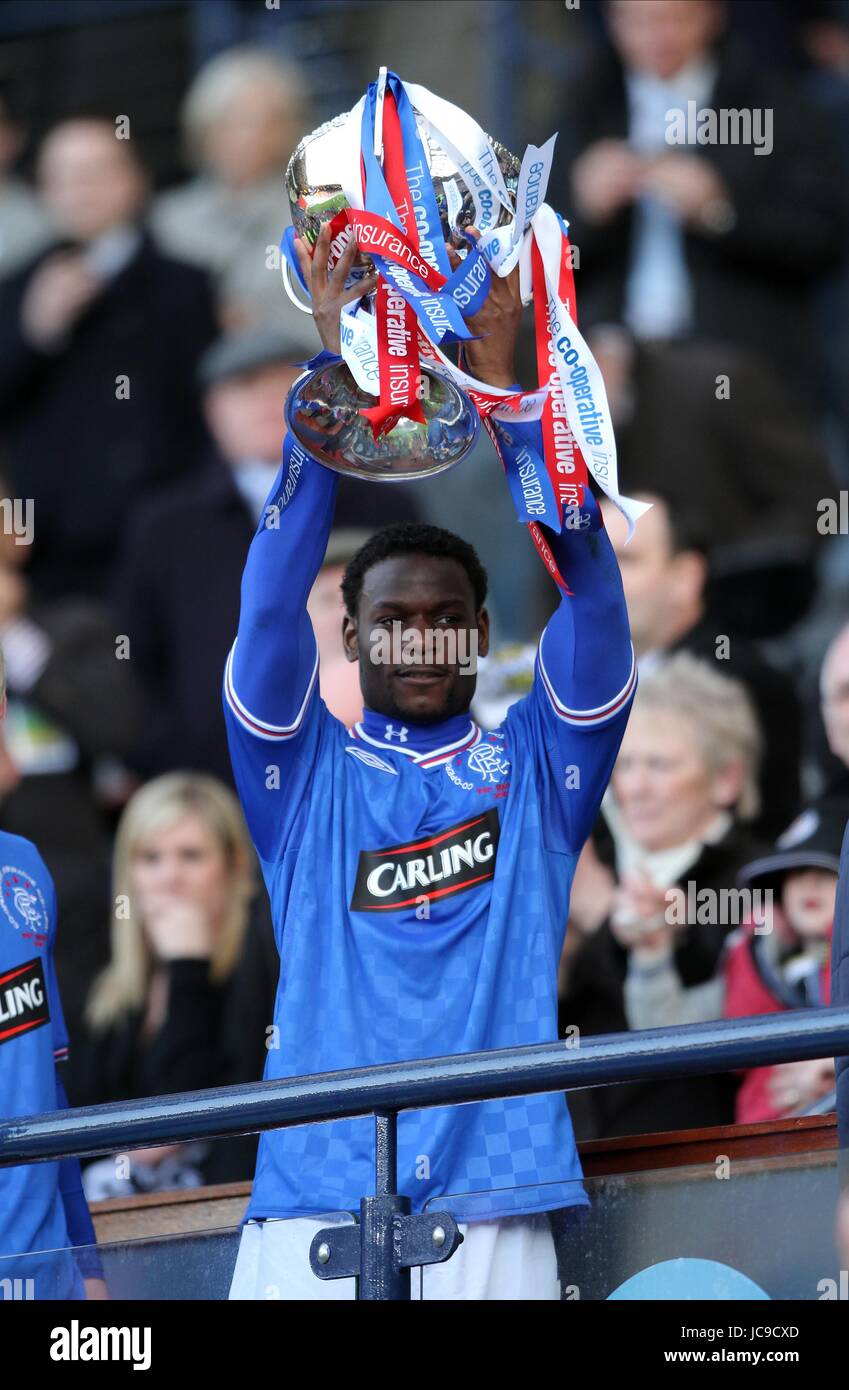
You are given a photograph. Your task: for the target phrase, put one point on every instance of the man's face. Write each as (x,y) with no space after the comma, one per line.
(89,179)
(660,37)
(245,414)
(657,583)
(429,601)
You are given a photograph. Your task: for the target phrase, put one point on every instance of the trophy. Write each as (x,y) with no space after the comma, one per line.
(406,174)
(324,410)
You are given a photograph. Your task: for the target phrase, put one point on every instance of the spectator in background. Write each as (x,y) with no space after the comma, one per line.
(778,959)
(705,421)
(24,225)
(160,1018)
(178,590)
(99,339)
(714,240)
(834,708)
(789,966)
(242,118)
(339,678)
(682,789)
(665,576)
(71,704)
(840,999)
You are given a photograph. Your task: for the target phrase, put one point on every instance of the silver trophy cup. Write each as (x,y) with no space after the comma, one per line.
(323,407)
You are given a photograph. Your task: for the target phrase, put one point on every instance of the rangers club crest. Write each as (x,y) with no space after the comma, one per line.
(485,759)
(23,904)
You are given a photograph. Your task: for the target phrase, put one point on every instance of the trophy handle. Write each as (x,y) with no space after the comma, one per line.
(286,272)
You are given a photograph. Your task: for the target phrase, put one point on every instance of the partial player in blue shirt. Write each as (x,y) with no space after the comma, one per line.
(42,1205)
(419,866)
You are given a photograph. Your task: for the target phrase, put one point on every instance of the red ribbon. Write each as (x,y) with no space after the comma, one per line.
(396,323)
(380,237)
(563,459)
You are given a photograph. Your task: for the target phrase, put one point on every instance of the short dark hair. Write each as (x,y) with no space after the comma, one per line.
(686,521)
(410,538)
(98,115)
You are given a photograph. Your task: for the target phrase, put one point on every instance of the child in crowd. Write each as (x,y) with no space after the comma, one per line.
(781,959)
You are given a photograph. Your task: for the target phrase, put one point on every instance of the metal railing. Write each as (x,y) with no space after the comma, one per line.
(382,1263)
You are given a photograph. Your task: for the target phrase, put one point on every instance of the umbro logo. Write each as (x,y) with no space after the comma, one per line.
(371,759)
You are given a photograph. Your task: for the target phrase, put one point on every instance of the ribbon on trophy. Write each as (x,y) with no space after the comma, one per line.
(549,439)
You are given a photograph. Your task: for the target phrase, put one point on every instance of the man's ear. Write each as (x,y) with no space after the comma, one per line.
(689,576)
(350,638)
(483,632)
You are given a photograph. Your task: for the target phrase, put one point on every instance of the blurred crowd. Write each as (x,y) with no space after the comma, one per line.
(146,349)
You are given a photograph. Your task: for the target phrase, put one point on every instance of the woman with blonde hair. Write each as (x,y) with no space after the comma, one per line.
(682,791)
(161,1017)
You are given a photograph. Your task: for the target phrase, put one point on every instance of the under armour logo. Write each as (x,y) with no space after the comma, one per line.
(400,734)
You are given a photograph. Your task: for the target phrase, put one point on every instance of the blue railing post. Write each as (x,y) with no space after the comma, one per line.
(382,1276)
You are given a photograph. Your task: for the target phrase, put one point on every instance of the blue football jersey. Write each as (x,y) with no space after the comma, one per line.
(419,882)
(419,876)
(33,1038)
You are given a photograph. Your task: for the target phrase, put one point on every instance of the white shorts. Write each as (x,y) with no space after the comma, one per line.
(513,1258)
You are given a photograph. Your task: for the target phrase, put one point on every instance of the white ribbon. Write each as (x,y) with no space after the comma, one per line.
(588,413)
(380,97)
(503,246)
(463,139)
(350,145)
(358,338)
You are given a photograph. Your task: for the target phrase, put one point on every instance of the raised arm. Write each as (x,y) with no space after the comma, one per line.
(271,678)
(272,667)
(586,675)
(586,659)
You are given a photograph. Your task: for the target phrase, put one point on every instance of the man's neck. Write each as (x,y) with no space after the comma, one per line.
(677,627)
(397,732)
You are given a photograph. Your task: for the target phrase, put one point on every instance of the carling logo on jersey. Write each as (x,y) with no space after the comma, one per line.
(458,858)
(23,1000)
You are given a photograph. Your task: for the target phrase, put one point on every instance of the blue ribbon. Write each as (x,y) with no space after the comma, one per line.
(475,269)
(530,486)
(469,284)
(287,249)
(379,201)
